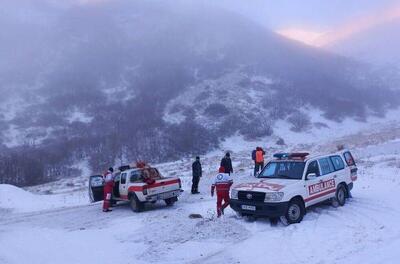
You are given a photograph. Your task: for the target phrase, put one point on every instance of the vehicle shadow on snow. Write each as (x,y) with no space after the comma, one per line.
(313,213)
(149,207)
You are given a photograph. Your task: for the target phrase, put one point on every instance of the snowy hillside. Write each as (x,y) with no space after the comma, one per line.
(166,79)
(365,230)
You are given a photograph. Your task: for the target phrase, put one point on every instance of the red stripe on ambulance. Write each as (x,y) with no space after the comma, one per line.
(319,195)
(321,186)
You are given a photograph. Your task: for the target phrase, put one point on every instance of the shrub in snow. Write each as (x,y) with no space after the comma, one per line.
(319,125)
(340,147)
(257,128)
(216,110)
(300,122)
(280,142)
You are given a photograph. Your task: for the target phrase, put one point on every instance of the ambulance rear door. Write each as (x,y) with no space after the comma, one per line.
(351,164)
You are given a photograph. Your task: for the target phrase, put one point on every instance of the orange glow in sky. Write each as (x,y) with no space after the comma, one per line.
(320,39)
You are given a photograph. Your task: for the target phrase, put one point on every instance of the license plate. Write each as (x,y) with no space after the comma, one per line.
(164,196)
(249,207)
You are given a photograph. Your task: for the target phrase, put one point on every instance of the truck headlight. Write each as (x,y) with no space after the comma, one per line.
(273,196)
(234,194)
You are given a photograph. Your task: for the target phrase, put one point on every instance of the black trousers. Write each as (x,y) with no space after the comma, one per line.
(258,166)
(195,184)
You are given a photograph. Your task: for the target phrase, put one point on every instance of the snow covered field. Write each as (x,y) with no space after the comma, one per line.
(65,228)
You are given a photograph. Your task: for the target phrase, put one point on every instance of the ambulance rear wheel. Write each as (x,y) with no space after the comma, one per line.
(341,195)
(295,212)
(136,205)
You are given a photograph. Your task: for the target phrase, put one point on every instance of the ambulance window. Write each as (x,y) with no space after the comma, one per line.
(326,166)
(313,168)
(123,178)
(349,158)
(269,170)
(337,162)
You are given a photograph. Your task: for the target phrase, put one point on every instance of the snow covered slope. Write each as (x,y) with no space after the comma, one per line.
(365,230)
(19,200)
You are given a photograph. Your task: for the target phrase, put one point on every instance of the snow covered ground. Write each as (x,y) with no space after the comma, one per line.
(65,228)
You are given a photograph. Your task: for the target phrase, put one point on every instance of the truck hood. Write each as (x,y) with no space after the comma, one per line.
(265,185)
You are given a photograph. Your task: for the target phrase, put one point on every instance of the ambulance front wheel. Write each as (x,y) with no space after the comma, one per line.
(295,212)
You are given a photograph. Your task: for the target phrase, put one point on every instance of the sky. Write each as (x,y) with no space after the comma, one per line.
(308,20)
(319,14)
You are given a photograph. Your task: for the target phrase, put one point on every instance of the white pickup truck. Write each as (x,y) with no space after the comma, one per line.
(292,182)
(138,185)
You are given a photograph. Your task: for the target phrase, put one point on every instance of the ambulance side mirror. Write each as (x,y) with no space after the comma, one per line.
(311,176)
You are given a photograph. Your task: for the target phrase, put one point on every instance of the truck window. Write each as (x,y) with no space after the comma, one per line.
(338,163)
(326,166)
(313,168)
(135,176)
(123,178)
(150,173)
(96,181)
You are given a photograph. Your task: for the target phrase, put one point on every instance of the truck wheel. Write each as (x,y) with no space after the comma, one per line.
(170,201)
(341,195)
(294,213)
(136,205)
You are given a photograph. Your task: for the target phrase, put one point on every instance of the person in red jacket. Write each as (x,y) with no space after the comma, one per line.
(108,188)
(222,184)
(259,160)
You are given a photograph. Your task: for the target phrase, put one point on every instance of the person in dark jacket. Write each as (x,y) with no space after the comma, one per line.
(226,163)
(196,173)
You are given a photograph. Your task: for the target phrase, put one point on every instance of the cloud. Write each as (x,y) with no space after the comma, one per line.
(305,36)
(321,39)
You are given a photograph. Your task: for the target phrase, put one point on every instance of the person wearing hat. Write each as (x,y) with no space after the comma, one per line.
(108,188)
(222,185)
(226,163)
(196,174)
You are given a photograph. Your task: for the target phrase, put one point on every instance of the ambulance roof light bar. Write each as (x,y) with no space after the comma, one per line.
(294,155)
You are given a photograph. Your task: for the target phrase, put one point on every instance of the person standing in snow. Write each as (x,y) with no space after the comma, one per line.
(108,188)
(258,160)
(196,174)
(226,163)
(222,185)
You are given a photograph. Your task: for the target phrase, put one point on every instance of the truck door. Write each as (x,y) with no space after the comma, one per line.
(123,185)
(96,188)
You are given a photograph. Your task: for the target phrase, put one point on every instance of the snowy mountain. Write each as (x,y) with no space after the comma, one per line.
(109,82)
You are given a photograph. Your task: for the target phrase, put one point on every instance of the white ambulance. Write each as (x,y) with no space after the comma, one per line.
(138,185)
(291,182)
